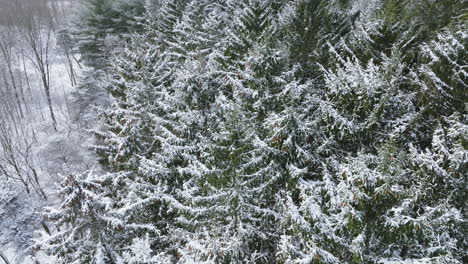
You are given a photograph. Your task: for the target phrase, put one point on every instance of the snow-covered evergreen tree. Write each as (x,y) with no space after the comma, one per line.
(79,235)
(230,206)
(255,131)
(101,24)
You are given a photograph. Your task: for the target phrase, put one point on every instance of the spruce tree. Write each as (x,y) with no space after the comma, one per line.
(102,23)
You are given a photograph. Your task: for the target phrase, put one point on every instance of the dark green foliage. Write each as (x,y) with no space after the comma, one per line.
(104,23)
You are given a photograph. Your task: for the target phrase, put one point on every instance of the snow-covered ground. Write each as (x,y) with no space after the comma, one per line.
(54,153)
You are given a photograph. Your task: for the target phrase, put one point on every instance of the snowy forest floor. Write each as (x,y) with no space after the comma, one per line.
(53,153)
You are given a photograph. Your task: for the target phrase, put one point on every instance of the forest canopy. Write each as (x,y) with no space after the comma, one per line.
(268,131)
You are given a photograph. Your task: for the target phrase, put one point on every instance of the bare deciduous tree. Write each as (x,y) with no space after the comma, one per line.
(16,156)
(7,39)
(35,24)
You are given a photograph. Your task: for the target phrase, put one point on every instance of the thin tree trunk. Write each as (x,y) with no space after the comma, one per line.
(31,96)
(21,88)
(4,258)
(15,90)
(49,100)
(9,92)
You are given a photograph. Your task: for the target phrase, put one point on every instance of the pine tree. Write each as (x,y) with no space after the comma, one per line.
(151,129)
(249,94)
(79,223)
(231,214)
(383,112)
(102,23)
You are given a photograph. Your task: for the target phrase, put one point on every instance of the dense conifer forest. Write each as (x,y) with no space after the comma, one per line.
(262,131)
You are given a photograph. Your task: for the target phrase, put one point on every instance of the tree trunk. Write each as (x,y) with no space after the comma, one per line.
(49,100)
(4,258)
